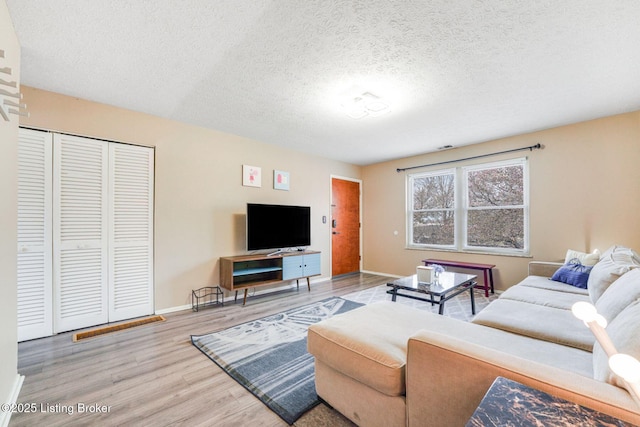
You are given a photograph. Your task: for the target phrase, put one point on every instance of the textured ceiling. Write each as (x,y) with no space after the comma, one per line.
(454,71)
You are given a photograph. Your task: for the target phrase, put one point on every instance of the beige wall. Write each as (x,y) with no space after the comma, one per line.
(199,199)
(8,220)
(584,195)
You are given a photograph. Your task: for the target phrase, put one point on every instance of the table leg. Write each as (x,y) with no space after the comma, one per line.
(244,301)
(491,280)
(486,283)
(441,304)
(308,284)
(473,301)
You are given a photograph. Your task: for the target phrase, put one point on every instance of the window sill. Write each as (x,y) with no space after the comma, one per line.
(467,252)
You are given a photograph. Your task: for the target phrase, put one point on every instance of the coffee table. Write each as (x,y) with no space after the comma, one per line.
(448,285)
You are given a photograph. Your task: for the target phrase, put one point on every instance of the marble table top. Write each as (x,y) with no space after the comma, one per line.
(509,403)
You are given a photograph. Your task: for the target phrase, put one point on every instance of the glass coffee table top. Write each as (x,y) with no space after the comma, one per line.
(446,282)
(447,286)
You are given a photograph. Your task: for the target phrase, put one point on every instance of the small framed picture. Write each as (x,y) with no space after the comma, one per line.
(280,180)
(251,176)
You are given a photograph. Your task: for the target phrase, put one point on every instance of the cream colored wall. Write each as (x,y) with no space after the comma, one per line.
(584,195)
(582,191)
(199,199)
(8,221)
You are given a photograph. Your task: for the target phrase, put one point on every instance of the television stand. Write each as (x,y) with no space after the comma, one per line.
(250,271)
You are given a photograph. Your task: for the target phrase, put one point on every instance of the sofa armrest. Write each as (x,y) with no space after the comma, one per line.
(447,377)
(543,268)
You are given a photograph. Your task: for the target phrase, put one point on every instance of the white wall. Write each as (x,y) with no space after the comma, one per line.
(9,379)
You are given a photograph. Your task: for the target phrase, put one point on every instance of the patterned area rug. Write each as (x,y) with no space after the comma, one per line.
(458,307)
(269,356)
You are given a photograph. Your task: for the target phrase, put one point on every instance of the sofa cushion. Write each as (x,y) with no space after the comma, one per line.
(614,262)
(544,296)
(539,282)
(530,349)
(368,344)
(573,273)
(619,295)
(583,257)
(536,321)
(624,332)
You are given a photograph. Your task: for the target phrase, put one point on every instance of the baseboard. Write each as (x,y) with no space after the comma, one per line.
(377,273)
(173,309)
(5,416)
(256,291)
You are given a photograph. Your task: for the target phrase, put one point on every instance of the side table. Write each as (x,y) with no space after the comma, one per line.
(204,297)
(509,403)
(487,270)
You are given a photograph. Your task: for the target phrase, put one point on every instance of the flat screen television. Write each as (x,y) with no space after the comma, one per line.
(277,226)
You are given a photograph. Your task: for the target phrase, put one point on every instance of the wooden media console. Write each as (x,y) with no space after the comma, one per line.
(249,271)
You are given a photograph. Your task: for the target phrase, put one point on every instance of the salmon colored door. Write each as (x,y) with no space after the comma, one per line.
(345,226)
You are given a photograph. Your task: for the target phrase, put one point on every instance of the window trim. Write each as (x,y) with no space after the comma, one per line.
(410,210)
(462,208)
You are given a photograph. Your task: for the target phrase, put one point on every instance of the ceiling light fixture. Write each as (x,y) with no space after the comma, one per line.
(363,105)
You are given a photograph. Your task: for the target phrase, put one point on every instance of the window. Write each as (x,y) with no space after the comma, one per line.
(433,209)
(475,208)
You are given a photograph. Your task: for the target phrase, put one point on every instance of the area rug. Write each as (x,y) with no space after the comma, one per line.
(458,307)
(269,356)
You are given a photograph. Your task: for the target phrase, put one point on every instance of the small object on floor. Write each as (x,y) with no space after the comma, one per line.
(203,297)
(118,327)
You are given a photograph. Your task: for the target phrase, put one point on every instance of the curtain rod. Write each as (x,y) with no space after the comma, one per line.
(530,148)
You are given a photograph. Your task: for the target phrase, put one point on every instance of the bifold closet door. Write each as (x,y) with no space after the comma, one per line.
(80,212)
(131,172)
(85,232)
(35,309)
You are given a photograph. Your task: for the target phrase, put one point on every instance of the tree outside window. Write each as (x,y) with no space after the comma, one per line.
(477,208)
(495,207)
(433,210)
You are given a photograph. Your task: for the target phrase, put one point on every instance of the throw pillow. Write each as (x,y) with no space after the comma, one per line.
(614,262)
(619,295)
(573,273)
(583,257)
(624,332)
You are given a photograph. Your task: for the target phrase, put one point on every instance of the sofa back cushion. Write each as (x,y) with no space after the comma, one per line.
(614,262)
(624,332)
(624,291)
(583,257)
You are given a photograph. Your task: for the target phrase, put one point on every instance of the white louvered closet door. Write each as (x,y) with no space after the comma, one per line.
(80,212)
(35,309)
(131,231)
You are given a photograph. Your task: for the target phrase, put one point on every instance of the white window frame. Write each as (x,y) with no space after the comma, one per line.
(410,211)
(462,208)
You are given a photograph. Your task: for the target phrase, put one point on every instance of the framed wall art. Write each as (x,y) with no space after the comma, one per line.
(280,180)
(251,176)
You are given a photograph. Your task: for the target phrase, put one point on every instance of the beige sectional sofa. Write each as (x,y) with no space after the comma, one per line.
(387,364)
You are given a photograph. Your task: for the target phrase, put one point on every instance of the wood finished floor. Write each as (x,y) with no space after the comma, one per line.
(152,375)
